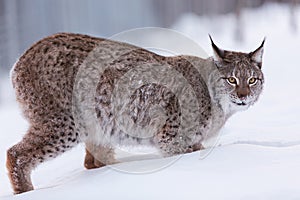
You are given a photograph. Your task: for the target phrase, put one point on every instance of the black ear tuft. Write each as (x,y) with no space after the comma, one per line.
(263,42)
(219,53)
(257,54)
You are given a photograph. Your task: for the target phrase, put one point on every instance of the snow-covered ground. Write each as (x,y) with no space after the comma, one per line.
(258,152)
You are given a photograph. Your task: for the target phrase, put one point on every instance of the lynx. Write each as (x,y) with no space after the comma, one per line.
(47,76)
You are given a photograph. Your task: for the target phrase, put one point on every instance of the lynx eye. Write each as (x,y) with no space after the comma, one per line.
(232,80)
(252,81)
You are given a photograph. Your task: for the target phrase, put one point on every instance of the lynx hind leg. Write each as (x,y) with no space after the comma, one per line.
(98,156)
(38,145)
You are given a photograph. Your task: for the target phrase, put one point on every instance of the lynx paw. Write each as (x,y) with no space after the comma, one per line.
(19,178)
(90,162)
(195,147)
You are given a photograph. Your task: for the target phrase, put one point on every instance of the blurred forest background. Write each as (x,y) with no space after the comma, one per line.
(24,22)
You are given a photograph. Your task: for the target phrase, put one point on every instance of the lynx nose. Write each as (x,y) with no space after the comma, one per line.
(242,93)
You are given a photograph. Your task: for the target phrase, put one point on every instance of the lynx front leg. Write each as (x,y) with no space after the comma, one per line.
(38,145)
(98,156)
(170,142)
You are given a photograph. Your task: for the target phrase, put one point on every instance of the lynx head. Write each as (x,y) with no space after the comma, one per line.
(241,74)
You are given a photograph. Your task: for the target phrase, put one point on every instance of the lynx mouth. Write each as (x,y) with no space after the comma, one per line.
(240,104)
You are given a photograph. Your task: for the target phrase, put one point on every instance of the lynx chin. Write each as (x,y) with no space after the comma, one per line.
(171,103)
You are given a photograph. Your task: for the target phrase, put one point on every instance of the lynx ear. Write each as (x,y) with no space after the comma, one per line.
(256,55)
(219,53)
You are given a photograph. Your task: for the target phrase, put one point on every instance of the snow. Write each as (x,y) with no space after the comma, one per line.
(257,156)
